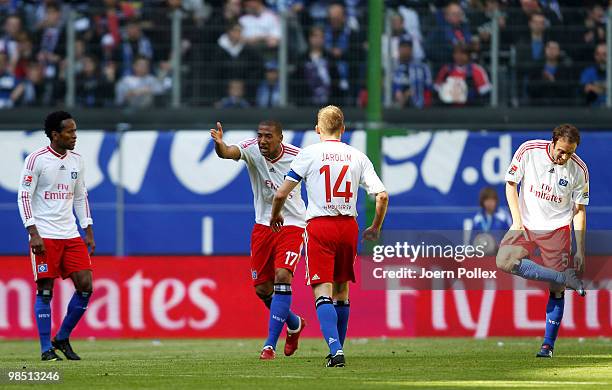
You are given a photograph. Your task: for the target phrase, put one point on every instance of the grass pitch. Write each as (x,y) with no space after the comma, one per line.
(371,363)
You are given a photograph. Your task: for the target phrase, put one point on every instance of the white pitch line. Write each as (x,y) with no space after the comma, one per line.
(490,383)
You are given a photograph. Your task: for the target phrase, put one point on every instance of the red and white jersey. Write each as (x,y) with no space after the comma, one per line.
(266,177)
(333,171)
(51,186)
(548,191)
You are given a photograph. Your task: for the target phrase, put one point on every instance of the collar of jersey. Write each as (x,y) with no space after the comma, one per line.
(56,154)
(332,140)
(279,156)
(548,152)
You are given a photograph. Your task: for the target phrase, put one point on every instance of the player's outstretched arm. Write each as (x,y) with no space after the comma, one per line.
(382,202)
(276,221)
(580,233)
(222,149)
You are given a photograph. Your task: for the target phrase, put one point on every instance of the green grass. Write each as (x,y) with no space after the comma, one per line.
(371,363)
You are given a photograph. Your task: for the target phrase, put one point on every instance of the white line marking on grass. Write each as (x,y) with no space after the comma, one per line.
(489,383)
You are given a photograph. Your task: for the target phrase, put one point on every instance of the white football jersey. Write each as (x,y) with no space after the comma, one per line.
(548,191)
(51,186)
(333,171)
(266,177)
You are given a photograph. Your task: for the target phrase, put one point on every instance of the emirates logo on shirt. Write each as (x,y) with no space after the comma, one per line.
(545,193)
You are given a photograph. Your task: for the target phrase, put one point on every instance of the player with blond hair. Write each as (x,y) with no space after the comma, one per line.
(332,170)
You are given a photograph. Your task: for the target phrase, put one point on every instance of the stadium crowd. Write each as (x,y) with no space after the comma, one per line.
(552,52)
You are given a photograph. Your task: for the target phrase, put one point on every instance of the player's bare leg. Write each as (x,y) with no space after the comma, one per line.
(554,314)
(265,291)
(83,284)
(342,306)
(328,320)
(42,309)
(513,259)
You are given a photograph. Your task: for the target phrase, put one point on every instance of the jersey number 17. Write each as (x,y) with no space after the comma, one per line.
(346,194)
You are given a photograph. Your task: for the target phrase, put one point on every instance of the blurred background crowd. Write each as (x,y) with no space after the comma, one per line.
(551,52)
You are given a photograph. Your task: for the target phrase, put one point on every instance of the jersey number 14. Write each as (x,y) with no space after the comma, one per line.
(346,194)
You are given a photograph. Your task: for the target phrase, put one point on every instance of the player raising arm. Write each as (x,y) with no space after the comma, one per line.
(332,171)
(554,193)
(274,256)
(52,184)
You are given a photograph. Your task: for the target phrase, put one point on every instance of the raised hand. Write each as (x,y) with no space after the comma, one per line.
(217,134)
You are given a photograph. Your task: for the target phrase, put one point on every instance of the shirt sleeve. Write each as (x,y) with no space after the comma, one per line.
(29,180)
(369,179)
(481,79)
(245,148)
(581,189)
(517,165)
(299,166)
(81,202)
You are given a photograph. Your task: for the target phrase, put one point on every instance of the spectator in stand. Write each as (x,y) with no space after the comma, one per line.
(93,88)
(490,223)
(51,48)
(318,72)
(550,83)
(549,8)
(159,30)
(463,82)
(530,49)
(10,88)
(412,28)
(482,20)
(8,40)
(261,27)
(51,39)
(235,60)
(139,89)
(412,82)
(343,47)
(7,8)
(268,93)
(222,18)
(35,13)
(235,96)
(135,44)
(593,78)
(593,31)
(451,31)
(391,41)
(399,31)
(109,21)
(295,14)
(33,87)
(25,49)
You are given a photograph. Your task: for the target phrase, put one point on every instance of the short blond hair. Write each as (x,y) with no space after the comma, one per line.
(330,120)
